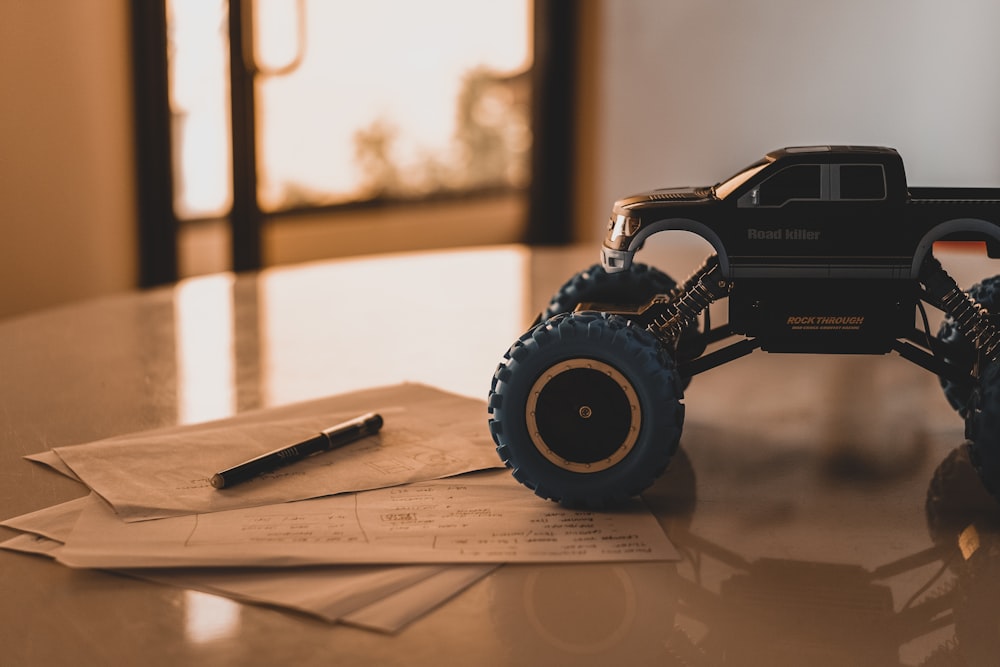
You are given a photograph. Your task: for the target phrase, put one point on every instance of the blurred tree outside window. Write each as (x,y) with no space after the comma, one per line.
(379,100)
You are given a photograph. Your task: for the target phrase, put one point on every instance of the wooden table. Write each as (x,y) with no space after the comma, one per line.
(799,498)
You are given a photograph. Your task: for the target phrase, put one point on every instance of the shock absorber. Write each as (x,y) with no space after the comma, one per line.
(689,300)
(969,316)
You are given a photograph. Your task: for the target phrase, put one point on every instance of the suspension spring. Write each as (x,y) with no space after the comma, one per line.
(969,316)
(711,262)
(705,286)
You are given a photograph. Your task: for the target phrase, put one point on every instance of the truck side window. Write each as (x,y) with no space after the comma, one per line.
(862,181)
(798,182)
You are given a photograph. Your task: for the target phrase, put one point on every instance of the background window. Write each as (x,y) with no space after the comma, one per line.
(263,125)
(392,99)
(198,75)
(353,101)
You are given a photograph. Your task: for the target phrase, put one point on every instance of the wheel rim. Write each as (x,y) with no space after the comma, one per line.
(583,415)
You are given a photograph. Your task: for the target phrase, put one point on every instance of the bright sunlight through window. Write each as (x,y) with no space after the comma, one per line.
(355,100)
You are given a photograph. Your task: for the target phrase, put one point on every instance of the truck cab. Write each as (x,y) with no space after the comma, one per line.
(822,246)
(801,212)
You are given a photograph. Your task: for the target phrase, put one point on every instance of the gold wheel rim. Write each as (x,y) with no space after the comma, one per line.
(585,412)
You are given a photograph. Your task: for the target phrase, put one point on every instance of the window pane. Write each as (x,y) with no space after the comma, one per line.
(862,181)
(801,182)
(391,99)
(198,52)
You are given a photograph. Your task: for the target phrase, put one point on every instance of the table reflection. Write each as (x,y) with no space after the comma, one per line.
(938,604)
(208,618)
(286,336)
(381,321)
(205,348)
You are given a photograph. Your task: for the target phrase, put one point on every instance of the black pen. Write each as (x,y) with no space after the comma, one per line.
(327,439)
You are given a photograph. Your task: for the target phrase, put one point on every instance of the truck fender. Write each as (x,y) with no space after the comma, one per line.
(945,229)
(684,225)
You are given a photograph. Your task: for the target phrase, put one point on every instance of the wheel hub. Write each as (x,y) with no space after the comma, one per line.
(583,415)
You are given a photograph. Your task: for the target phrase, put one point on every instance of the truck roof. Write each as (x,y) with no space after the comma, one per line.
(831,150)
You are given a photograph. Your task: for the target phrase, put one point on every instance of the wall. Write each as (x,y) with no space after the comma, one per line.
(67,221)
(687,92)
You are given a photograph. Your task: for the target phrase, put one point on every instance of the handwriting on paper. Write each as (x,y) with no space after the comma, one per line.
(484,518)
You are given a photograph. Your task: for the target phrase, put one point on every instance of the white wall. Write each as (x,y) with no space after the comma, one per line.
(689,91)
(67,220)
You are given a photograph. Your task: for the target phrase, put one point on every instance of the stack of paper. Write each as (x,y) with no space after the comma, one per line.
(389,527)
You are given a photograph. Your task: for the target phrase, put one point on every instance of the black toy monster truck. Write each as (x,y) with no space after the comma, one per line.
(818,249)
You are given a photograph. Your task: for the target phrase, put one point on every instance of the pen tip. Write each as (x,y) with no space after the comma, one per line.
(217,481)
(374,422)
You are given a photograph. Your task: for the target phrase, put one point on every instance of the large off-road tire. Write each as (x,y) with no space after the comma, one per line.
(632,287)
(957,348)
(585,409)
(983,427)
(636,285)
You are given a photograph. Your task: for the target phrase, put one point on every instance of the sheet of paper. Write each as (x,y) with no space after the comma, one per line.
(394,612)
(54,522)
(479,518)
(428,434)
(52,460)
(380,598)
(31,543)
(328,592)
(383,599)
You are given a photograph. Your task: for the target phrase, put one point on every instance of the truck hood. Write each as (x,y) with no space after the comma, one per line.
(661,195)
(626,218)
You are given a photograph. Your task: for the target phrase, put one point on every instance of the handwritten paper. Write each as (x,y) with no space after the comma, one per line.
(418,532)
(428,434)
(479,518)
(380,598)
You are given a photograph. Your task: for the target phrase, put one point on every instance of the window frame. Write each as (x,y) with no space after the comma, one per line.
(830,186)
(836,182)
(549,193)
(751,199)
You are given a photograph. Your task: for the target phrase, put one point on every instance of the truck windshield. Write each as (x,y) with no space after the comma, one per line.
(726,187)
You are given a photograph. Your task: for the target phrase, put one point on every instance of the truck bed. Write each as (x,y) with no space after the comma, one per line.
(948,195)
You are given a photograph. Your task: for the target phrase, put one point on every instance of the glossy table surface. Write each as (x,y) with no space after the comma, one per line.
(819,502)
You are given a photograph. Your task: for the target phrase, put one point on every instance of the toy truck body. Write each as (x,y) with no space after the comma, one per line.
(823,245)
(821,249)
